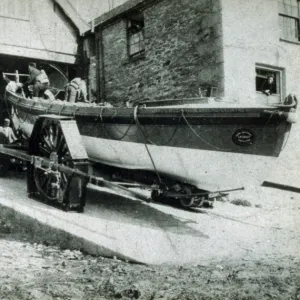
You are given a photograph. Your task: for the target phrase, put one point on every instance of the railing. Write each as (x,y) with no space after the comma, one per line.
(16,74)
(55,91)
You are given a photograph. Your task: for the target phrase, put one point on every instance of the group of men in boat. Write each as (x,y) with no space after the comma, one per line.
(38,85)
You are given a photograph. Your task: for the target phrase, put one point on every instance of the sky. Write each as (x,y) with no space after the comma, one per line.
(91,9)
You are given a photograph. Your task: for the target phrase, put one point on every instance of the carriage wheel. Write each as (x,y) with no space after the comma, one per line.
(192,201)
(52,186)
(187,202)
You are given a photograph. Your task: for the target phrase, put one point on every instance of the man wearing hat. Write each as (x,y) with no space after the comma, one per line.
(37,79)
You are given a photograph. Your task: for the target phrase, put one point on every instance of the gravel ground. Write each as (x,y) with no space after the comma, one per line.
(38,271)
(35,271)
(269,271)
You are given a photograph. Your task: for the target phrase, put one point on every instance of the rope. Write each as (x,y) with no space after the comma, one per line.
(224,149)
(18,116)
(286,141)
(26,117)
(107,131)
(31,106)
(145,134)
(274,112)
(102,109)
(76,109)
(203,140)
(60,109)
(48,108)
(145,143)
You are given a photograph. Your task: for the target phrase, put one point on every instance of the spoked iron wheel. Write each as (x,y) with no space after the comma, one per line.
(191,201)
(52,186)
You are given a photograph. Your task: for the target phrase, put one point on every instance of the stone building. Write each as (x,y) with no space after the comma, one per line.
(158,49)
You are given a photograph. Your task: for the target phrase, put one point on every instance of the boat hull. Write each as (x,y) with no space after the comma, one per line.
(209,147)
(208,170)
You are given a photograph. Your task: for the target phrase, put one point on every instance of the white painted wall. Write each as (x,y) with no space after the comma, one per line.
(251,35)
(39,33)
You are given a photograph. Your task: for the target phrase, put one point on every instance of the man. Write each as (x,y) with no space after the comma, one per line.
(76,91)
(83,91)
(37,79)
(7,135)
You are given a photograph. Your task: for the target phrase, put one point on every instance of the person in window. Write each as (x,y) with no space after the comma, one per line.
(269,86)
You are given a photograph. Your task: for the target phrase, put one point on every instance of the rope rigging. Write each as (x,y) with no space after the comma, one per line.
(144,130)
(146,146)
(107,131)
(203,140)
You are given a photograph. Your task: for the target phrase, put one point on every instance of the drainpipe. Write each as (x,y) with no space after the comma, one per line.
(101,95)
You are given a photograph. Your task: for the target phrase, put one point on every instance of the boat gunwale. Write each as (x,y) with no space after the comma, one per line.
(88,110)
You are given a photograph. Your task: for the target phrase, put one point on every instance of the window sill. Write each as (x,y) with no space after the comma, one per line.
(262,93)
(263,99)
(134,58)
(290,42)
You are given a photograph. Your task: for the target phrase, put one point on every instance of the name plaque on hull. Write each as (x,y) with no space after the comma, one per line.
(243,137)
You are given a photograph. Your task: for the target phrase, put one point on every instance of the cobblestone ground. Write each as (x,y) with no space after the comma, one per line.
(41,272)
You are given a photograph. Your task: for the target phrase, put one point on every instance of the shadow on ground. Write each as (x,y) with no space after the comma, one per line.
(117,208)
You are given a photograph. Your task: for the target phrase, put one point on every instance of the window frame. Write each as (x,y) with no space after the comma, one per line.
(289,12)
(134,32)
(280,87)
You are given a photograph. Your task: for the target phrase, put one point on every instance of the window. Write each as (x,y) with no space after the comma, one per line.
(289,28)
(289,20)
(268,79)
(135,35)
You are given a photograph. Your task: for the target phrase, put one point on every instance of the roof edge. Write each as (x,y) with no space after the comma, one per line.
(120,10)
(71,13)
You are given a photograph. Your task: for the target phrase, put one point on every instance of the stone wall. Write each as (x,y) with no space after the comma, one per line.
(183,51)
